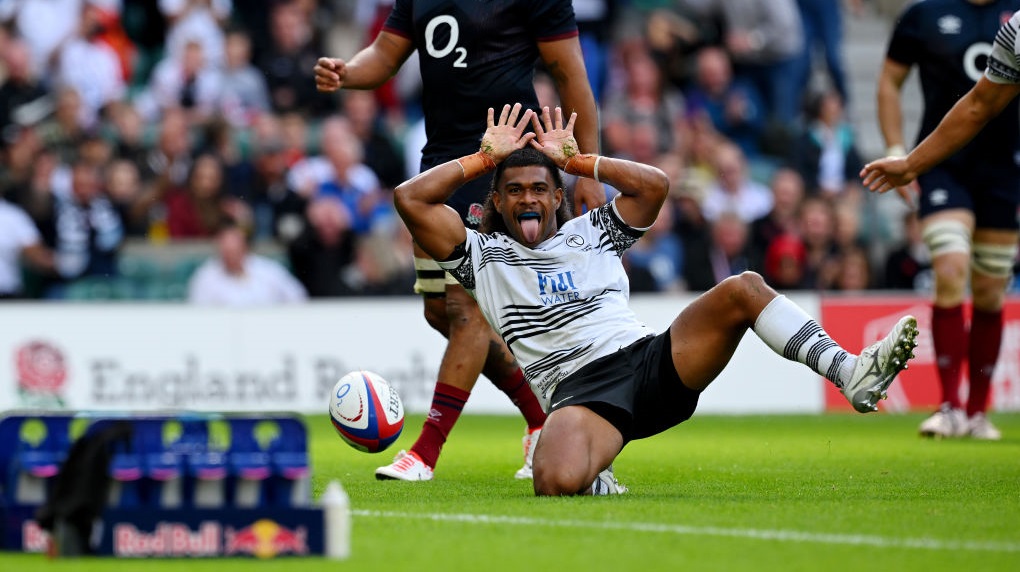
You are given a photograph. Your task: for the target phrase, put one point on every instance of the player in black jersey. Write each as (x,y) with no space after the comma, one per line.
(474,55)
(608,378)
(968,204)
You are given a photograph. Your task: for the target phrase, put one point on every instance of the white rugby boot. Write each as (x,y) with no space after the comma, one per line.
(606,484)
(878,365)
(406,466)
(946,423)
(528,442)
(979,427)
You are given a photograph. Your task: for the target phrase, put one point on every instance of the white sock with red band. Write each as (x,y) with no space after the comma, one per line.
(792,333)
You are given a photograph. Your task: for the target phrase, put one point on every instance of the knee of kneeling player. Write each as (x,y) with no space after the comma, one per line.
(560,479)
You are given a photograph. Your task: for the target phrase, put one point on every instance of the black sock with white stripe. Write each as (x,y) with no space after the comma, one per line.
(793,334)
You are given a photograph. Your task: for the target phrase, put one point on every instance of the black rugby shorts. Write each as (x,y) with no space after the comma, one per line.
(636,389)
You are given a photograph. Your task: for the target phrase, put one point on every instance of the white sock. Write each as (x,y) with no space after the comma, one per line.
(793,334)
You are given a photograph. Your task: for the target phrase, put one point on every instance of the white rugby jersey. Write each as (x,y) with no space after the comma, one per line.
(561,304)
(1004,61)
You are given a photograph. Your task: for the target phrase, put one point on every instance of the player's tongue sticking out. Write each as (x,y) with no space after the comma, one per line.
(530,226)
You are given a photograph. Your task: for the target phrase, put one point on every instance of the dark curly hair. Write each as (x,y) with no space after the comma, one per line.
(492,221)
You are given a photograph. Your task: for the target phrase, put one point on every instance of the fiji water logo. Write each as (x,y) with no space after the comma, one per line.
(557,288)
(41,371)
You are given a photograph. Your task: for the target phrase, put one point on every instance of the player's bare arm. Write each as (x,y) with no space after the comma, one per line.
(967,117)
(565,63)
(890,110)
(368,69)
(643,188)
(437,228)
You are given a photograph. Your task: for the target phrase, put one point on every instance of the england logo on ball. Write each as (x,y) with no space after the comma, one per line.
(366,411)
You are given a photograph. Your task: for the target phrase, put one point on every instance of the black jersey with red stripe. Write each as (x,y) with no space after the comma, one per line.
(475,54)
(949,42)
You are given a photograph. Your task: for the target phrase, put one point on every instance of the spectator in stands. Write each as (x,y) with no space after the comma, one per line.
(188,81)
(339,172)
(124,188)
(825,153)
(847,233)
(237,277)
(90,66)
(909,266)
(676,32)
(245,95)
(823,32)
(785,262)
(224,140)
(385,260)
(656,261)
(289,63)
(21,150)
(43,25)
(83,229)
(381,153)
(765,38)
(294,134)
(196,19)
(62,132)
(645,99)
(168,163)
(733,190)
(19,242)
(127,130)
(730,253)
(787,193)
(321,257)
(816,224)
(23,99)
(733,106)
(852,271)
(278,210)
(196,209)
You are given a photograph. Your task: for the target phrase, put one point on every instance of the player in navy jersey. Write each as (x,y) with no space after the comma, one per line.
(968,204)
(474,55)
(555,288)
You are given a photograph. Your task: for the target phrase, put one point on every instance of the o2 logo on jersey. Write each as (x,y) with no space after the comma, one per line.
(451,44)
(975,59)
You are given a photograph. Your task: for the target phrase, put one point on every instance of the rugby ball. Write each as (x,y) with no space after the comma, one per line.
(366,411)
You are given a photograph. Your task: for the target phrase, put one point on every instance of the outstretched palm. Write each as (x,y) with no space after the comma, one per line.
(506,136)
(553,138)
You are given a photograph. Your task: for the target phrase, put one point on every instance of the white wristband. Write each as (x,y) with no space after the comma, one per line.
(595,171)
(895,151)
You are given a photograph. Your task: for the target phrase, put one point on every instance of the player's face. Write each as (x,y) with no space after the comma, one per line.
(527,200)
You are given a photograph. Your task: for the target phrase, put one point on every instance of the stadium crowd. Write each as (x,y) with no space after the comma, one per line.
(159,123)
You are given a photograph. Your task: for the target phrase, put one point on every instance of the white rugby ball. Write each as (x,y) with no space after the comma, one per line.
(366,411)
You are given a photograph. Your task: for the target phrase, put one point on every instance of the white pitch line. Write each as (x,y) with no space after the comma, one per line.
(778,535)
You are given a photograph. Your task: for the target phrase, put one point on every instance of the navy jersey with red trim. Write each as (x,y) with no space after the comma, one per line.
(475,54)
(949,41)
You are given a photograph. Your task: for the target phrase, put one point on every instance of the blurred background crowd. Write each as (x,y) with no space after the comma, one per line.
(151,148)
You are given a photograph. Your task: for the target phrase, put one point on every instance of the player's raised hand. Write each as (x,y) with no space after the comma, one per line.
(882,175)
(330,74)
(553,138)
(506,135)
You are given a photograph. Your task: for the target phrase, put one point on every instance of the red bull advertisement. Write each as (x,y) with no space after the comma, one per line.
(210,533)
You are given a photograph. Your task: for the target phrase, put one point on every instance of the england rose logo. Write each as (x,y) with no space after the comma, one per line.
(41,372)
(475,214)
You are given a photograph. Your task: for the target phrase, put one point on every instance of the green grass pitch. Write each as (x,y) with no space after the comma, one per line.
(801,492)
